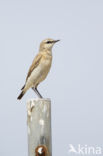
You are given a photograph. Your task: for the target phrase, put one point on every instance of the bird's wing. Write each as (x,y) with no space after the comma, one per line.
(35,63)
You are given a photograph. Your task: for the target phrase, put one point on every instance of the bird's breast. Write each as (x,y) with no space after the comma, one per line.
(41,71)
(45,65)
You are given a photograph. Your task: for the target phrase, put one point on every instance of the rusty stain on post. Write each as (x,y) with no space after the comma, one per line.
(41,150)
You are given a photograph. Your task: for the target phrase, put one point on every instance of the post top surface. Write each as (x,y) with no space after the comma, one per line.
(39,99)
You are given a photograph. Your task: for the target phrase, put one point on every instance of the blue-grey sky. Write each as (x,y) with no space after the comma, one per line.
(75,82)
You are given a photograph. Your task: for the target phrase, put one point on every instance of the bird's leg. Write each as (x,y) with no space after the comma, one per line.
(37,92)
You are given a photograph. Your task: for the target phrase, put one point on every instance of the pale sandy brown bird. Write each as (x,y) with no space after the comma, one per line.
(39,68)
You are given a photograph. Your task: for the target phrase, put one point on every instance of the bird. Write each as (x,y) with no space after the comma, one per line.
(39,68)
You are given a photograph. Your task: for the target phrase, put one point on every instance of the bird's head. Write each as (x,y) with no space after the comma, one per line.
(47,44)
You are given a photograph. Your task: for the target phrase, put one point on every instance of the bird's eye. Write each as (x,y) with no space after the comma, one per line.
(48,42)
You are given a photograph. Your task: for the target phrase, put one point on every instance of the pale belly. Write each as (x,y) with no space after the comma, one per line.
(38,74)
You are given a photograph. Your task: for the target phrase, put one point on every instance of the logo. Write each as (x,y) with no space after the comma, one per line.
(85,150)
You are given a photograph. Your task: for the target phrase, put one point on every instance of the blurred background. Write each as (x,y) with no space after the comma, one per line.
(75,82)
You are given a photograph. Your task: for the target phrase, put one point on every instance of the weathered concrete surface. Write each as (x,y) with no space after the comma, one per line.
(39,127)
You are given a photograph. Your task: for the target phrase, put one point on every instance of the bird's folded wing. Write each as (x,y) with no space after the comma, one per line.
(35,63)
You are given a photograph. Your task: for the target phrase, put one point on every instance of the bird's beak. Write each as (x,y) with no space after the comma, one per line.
(56,41)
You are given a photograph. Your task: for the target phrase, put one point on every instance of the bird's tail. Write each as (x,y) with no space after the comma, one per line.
(23,87)
(21,95)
